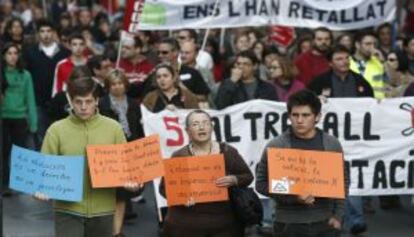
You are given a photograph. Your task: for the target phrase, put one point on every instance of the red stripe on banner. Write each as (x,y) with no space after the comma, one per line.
(133,11)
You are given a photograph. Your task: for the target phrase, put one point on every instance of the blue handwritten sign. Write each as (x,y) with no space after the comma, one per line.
(59,177)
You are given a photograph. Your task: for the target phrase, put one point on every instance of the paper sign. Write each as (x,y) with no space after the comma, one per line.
(293,171)
(114,165)
(59,177)
(194,178)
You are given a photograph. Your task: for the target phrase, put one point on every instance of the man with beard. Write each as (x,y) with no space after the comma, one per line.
(314,62)
(135,64)
(243,85)
(366,61)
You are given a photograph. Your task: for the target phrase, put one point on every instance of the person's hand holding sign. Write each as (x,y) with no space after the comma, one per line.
(133,186)
(226,181)
(307,199)
(41,196)
(334,223)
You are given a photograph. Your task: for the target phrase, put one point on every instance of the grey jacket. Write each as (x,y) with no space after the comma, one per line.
(288,208)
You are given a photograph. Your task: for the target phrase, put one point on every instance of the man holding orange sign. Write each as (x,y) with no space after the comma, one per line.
(302,209)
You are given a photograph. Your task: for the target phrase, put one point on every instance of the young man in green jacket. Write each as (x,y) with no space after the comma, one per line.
(93,216)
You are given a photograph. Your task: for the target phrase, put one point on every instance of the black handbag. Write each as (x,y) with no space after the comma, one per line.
(246,205)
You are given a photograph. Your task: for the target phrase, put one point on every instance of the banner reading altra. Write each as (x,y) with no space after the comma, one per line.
(178,14)
(377,138)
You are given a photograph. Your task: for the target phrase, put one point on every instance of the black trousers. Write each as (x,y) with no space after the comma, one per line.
(15,131)
(171,230)
(315,229)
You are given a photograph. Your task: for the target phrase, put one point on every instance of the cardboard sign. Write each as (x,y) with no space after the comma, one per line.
(114,165)
(194,178)
(293,171)
(58,177)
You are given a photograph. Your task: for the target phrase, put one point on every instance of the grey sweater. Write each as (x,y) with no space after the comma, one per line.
(288,207)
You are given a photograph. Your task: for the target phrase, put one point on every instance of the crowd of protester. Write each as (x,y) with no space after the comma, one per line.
(45,49)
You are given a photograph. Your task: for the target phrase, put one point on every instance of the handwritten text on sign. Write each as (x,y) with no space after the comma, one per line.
(194,177)
(114,165)
(58,177)
(318,173)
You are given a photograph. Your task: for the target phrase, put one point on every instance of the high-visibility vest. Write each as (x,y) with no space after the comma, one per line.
(374,74)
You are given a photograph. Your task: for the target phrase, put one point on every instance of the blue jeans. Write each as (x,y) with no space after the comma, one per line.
(354,212)
(268,210)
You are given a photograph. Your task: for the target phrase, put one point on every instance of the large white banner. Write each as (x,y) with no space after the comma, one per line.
(377,137)
(335,14)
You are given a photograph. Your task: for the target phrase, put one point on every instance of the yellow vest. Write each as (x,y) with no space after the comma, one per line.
(374,74)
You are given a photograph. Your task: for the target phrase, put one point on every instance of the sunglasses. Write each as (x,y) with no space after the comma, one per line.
(163,52)
(392,59)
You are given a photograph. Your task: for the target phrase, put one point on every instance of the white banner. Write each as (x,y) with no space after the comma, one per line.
(334,14)
(377,138)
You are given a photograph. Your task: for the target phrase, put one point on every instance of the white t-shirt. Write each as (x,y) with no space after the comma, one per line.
(49,50)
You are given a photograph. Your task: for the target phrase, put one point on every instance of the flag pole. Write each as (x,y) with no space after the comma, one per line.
(203,45)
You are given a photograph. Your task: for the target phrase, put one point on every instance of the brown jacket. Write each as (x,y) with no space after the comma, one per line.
(189,100)
(215,214)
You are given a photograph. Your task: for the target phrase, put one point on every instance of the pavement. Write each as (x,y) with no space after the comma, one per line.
(26,217)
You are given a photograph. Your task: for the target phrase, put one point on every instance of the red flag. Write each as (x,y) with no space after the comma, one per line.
(133,10)
(282,35)
(111,6)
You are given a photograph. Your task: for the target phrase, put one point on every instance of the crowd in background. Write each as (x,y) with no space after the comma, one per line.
(44,48)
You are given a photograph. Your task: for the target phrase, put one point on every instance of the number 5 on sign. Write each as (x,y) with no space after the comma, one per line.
(172,124)
(302,172)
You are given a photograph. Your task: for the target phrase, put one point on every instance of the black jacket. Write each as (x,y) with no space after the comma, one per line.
(230,93)
(133,116)
(42,69)
(324,81)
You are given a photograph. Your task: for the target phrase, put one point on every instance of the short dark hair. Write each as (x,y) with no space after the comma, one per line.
(82,87)
(408,40)
(337,49)
(304,97)
(173,43)
(322,29)
(197,111)
(193,34)
(95,62)
(76,35)
(80,72)
(44,23)
(384,25)
(138,42)
(362,34)
(248,54)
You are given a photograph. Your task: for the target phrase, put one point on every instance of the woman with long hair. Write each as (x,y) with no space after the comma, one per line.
(169,93)
(282,72)
(118,106)
(18,106)
(14,32)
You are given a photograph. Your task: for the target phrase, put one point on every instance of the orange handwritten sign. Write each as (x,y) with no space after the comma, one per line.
(293,171)
(194,177)
(114,165)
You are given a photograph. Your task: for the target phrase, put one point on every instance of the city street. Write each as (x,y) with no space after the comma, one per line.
(26,217)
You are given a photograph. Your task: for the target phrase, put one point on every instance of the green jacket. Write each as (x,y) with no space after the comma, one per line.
(70,136)
(19,100)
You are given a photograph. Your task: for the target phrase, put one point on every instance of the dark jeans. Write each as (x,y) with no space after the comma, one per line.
(171,230)
(43,125)
(315,229)
(68,225)
(15,131)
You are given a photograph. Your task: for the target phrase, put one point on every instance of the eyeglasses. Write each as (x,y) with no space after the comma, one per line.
(163,52)
(274,68)
(182,37)
(392,59)
(202,124)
